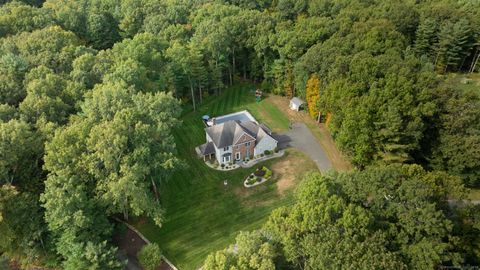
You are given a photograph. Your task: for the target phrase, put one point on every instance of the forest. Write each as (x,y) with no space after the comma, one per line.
(91,91)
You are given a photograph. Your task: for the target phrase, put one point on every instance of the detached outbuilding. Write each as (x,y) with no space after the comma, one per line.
(296,103)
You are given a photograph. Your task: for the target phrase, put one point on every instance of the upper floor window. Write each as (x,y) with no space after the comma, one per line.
(247,144)
(226,148)
(237,147)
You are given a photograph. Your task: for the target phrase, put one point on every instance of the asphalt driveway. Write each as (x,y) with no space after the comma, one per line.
(301,138)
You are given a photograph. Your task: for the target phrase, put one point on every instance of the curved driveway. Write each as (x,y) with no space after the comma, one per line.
(301,138)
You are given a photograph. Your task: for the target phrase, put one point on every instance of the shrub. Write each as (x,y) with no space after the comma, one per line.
(120,228)
(150,256)
(251,180)
(251,176)
(259,172)
(262,155)
(266,86)
(268,172)
(267,152)
(223,165)
(275,150)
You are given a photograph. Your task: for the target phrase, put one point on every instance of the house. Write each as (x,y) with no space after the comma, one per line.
(236,140)
(295,104)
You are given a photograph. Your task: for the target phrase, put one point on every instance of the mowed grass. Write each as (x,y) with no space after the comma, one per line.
(202,215)
(474,194)
(471,85)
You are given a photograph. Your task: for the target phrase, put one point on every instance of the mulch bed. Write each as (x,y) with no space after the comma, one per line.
(131,244)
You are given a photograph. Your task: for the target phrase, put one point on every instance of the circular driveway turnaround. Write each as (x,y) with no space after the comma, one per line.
(301,138)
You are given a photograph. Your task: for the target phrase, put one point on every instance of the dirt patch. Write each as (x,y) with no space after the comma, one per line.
(286,175)
(288,172)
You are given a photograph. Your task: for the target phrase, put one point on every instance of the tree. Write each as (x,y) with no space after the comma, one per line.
(84,71)
(186,63)
(12,72)
(426,37)
(252,250)
(321,229)
(410,201)
(7,112)
(21,225)
(46,97)
(16,17)
(102,29)
(313,95)
(455,149)
(21,150)
(38,49)
(455,42)
(150,256)
(385,217)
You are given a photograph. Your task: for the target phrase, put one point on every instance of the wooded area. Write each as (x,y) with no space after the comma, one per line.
(91,91)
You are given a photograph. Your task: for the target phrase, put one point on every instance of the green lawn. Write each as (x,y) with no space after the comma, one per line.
(474,194)
(472,85)
(201,214)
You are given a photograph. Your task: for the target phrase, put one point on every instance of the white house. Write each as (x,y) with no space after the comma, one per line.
(295,104)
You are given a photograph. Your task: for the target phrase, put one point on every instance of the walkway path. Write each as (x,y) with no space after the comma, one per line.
(301,138)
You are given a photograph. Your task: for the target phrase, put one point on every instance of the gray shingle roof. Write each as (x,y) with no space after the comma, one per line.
(207,148)
(225,134)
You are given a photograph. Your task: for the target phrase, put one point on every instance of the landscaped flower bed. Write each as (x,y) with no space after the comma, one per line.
(261,175)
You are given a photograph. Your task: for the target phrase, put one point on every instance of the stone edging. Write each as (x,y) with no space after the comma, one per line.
(256,183)
(146,241)
(235,166)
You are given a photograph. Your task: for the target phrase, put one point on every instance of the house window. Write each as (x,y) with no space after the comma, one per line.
(247,144)
(237,147)
(225,148)
(237,156)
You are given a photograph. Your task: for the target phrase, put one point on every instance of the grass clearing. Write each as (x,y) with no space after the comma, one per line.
(474,194)
(465,82)
(202,214)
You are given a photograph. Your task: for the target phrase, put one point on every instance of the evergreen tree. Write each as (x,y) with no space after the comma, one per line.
(426,37)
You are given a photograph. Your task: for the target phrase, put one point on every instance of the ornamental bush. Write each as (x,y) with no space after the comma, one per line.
(150,256)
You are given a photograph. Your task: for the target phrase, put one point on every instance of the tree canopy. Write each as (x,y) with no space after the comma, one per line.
(91,93)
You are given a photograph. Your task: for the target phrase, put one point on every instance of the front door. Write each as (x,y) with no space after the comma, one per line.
(226,158)
(247,154)
(237,156)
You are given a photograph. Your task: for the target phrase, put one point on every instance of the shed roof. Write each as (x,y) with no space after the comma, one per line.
(297,101)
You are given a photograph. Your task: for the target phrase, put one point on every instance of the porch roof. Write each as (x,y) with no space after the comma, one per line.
(207,149)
